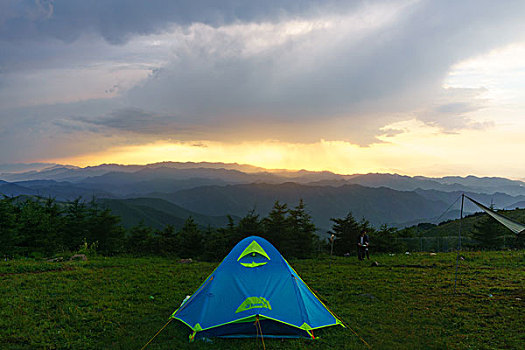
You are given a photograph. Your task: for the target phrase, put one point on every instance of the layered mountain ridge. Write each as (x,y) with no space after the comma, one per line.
(210,191)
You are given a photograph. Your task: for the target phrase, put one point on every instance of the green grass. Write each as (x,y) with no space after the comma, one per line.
(405,303)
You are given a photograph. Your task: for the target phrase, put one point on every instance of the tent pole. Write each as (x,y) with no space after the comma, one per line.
(459,241)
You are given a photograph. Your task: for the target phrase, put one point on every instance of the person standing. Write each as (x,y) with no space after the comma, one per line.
(362,246)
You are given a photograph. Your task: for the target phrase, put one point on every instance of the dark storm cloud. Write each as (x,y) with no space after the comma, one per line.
(118,20)
(395,69)
(50,131)
(138,121)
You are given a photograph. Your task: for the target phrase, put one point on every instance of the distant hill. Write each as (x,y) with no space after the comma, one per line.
(191,174)
(71,173)
(67,173)
(404,183)
(23,167)
(157,213)
(62,191)
(219,192)
(13,190)
(499,200)
(520,204)
(477,183)
(378,205)
(170,179)
(451,227)
(214,190)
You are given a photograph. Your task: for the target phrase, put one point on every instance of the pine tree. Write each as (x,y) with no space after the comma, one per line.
(8,233)
(75,230)
(346,231)
(250,225)
(383,240)
(104,229)
(216,244)
(38,226)
(140,239)
(302,231)
(488,233)
(276,227)
(166,241)
(190,240)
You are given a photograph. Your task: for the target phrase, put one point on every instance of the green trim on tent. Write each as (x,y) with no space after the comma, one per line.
(305,326)
(254,264)
(292,325)
(252,318)
(240,320)
(254,303)
(183,322)
(253,247)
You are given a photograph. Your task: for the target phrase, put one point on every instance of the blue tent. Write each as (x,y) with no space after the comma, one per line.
(254,290)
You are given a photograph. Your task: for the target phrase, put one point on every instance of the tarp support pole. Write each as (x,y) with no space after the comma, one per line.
(459,241)
(332,238)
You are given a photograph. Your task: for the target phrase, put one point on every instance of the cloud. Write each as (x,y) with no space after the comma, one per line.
(454,108)
(138,121)
(368,66)
(124,71)
(119,20)
(39,132)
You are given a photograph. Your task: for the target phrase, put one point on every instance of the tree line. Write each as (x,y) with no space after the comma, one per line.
(44,227)
(38,227)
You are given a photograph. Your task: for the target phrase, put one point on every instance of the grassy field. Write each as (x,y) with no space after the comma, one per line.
(405,303)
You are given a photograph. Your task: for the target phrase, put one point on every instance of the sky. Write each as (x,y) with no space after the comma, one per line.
(413,87)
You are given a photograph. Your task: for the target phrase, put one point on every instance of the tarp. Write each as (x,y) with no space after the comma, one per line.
(512,225)
(254,282)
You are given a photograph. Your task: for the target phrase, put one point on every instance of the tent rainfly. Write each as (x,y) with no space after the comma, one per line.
(254,291)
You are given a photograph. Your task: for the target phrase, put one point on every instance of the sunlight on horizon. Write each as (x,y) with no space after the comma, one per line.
(417,149)
(408,147)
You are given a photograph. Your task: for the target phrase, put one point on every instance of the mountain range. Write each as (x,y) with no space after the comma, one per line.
(169,192)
